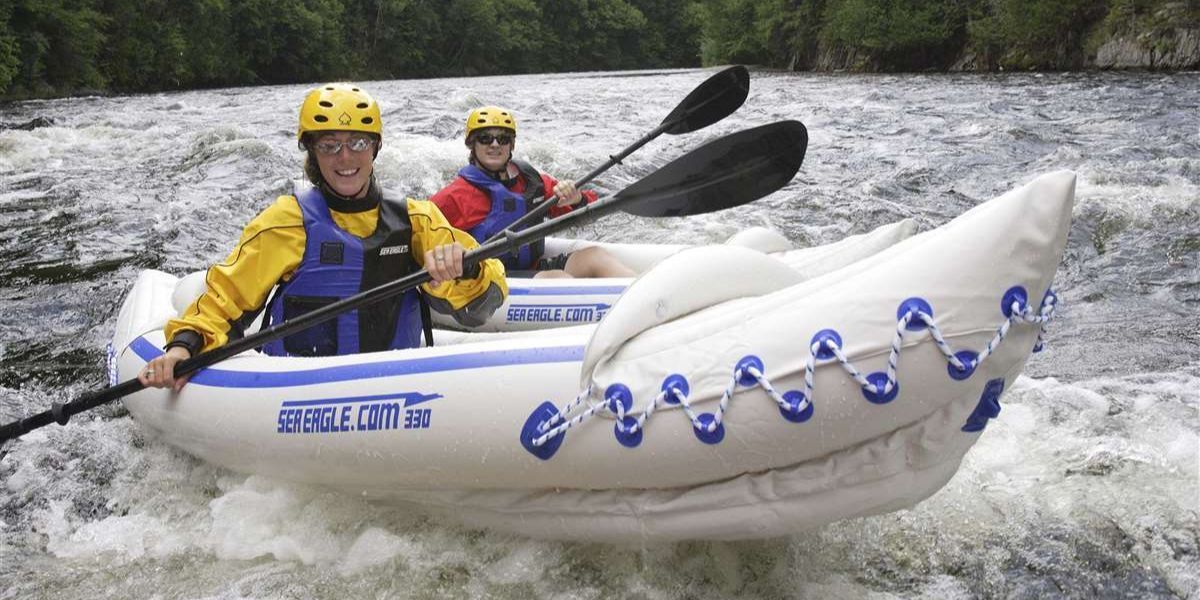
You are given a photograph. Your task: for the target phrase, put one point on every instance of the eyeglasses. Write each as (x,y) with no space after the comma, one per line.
(355,144)
(486,139)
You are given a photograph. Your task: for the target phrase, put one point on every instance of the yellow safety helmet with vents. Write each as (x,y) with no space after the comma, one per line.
(491,116)
(339,107)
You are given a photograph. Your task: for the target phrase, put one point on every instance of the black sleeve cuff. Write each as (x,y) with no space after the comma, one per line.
(188,340)
(471,271)
(476,312)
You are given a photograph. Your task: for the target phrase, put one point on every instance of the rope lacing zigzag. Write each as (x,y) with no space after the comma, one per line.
(794,404)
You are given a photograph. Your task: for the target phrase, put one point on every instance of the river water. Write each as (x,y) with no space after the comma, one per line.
(1087,486)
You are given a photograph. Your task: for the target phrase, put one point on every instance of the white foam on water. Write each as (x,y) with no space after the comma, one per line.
(116,539)
(258,518)
(419,166)
(374,547)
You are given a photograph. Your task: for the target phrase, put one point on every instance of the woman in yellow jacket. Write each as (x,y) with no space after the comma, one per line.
(325,244)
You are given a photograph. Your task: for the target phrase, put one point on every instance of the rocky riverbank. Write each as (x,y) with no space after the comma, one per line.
(1000,35)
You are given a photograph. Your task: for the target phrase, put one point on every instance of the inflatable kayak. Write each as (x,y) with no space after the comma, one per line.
(847,383)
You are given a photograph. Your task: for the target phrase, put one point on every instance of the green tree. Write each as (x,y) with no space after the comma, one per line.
(791,31)
(9,49)
(58,43)
(671,37)
(388,39)
(591,34)
(285,41)
(146,48)
(897,33)
(1026,34)
(731,33)
(490,36)
(766,32)
(210,53)
(615,29)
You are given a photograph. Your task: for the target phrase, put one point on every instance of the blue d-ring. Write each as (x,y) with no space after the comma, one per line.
(619,393)
(969,360)
(879,379)
(630,438)
(702,432)
(792,411)
(1015,294)
(913,306)
(750,360)
(545,413)
(822,336)
(677,382)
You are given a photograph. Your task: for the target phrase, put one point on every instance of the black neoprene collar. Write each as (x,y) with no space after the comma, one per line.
(352,205)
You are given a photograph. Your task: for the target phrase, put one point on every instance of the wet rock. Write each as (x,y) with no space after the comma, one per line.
(30,125)
(1179,49)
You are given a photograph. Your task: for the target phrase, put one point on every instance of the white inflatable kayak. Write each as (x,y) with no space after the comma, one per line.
(793,395)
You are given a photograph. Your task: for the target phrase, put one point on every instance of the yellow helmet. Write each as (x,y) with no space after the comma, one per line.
(339,107)
(491,116)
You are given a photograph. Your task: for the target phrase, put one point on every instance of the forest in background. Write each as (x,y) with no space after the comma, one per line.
(63,47)
(953,35)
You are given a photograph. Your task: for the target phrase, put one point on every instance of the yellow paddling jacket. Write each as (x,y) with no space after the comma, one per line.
(272,247)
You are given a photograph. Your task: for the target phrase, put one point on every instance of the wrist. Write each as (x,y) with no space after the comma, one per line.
(189,340)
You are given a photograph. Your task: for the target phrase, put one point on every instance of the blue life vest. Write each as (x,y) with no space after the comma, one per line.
(508,206)
(337,265)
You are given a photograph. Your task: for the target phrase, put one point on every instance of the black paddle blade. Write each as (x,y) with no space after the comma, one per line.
(724,173)
(712,101)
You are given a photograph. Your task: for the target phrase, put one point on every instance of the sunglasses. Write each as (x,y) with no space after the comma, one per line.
(356,144)
(486,139)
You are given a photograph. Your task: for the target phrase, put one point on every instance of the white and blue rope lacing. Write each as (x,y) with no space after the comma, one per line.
(547,426)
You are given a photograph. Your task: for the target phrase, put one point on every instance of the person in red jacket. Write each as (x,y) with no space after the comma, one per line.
(495,190)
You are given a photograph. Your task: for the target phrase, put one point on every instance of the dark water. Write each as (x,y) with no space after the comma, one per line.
(1088,486)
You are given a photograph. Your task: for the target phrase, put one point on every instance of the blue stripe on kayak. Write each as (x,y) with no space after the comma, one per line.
(410,399)
(566,291)
(216,377)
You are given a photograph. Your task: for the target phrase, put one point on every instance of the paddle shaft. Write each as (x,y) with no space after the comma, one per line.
(543,208)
